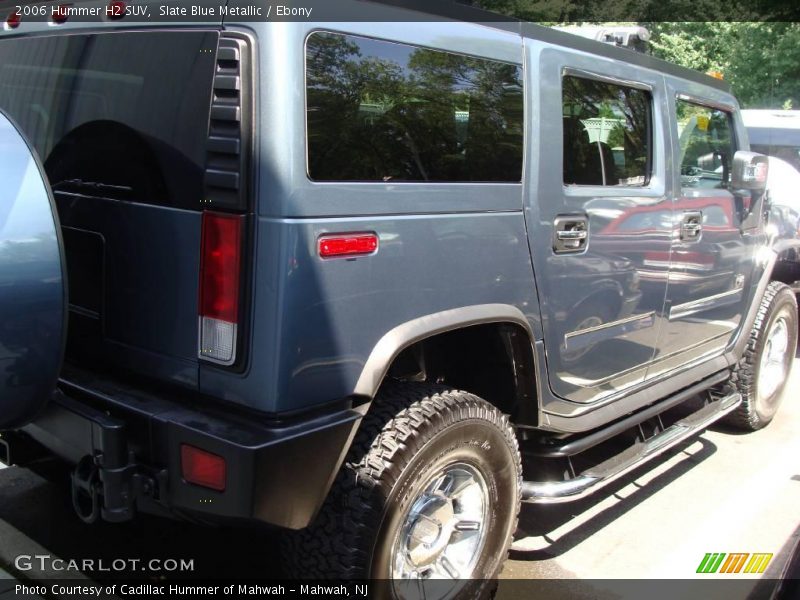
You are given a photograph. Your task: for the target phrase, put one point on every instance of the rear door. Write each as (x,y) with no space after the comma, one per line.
(32,287)
(601,240)
(121,121)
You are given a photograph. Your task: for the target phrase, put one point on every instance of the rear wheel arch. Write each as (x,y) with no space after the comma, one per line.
(466,348)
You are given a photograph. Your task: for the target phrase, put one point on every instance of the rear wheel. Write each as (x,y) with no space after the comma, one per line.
(430,491)
(761,375)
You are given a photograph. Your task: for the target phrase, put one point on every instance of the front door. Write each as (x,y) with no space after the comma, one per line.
(712,250)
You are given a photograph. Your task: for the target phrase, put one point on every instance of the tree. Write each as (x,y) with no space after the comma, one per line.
(760,60)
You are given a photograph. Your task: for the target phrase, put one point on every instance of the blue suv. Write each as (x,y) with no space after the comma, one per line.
(374,285)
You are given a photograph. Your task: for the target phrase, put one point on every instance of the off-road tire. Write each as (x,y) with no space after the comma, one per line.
(754,414)
(409,428)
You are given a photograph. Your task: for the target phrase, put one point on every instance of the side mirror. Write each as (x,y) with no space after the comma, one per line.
(749,171)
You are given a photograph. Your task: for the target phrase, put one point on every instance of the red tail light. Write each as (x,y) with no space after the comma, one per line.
(220,281)
(203,468)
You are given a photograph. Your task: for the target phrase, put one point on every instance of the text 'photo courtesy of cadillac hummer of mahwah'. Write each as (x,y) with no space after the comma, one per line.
(372,282)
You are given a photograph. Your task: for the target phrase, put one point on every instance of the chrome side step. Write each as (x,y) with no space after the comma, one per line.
(591,480)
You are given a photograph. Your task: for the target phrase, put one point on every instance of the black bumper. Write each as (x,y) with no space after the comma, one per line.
(276,473)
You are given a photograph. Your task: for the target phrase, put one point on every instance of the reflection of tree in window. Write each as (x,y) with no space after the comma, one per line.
(384,111)
(606,133)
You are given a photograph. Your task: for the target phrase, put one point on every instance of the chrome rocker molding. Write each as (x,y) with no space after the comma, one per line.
(552,492)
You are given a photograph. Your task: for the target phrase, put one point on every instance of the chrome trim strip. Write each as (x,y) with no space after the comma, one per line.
(553,492)
(680,311)
(621,324)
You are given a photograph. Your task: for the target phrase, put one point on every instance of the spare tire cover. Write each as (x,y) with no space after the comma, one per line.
(32,282)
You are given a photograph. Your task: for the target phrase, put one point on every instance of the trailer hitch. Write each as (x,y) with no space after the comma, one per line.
(86,490)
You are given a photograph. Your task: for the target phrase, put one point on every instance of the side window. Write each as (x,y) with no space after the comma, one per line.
(607,133)
(706,144)
(383,111)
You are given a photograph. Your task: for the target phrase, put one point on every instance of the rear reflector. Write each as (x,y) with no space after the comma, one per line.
(354,244)
(203,468)
(220,281)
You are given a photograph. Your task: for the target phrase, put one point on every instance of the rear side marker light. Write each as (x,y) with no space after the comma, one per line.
(354,244)
(220,281)
(13,20)
(203,468)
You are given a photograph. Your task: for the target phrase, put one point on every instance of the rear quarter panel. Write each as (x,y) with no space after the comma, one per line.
(442,246)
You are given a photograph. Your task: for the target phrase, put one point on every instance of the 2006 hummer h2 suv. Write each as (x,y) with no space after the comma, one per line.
(374,283)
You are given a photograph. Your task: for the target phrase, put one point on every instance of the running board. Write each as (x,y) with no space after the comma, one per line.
(595,478)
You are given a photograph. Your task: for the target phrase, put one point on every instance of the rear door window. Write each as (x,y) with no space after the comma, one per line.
(607,137)
(121,115)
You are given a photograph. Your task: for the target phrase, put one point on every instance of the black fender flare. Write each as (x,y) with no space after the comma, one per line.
(404,335)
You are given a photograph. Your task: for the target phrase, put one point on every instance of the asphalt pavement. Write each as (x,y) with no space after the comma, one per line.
(723,492)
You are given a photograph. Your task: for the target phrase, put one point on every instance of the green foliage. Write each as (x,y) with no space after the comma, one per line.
(760,59)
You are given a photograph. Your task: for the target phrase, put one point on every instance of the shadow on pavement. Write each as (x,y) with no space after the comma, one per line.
(541,520)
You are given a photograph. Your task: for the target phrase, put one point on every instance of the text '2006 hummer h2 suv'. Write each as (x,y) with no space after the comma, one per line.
(373,283)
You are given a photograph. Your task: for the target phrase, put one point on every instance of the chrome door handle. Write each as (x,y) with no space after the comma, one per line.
(692,226)
(573,234)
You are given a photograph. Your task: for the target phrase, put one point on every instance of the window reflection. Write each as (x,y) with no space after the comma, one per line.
(382,111)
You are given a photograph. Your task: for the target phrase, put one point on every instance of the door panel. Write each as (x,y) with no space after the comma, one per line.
(711,255)
(32,298)
(602,241)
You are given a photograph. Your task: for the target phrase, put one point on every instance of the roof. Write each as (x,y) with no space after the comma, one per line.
(771,119)
(451,9)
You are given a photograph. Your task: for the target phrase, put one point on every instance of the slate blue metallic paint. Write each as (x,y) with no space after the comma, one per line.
(317,321)
(32,301)
(443,246)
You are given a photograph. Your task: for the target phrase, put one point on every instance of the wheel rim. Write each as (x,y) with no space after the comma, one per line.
(445,528)
(772,369)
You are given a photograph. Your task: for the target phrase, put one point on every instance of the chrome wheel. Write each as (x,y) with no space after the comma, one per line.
(773,366)
(443,533)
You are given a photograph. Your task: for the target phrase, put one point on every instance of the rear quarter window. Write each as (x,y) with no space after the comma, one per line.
(384,111)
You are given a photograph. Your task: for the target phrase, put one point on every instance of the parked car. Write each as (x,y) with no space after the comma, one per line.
(775,133)
(374,285)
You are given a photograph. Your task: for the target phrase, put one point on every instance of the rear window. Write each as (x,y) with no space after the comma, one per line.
(122,115)
(383,111)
